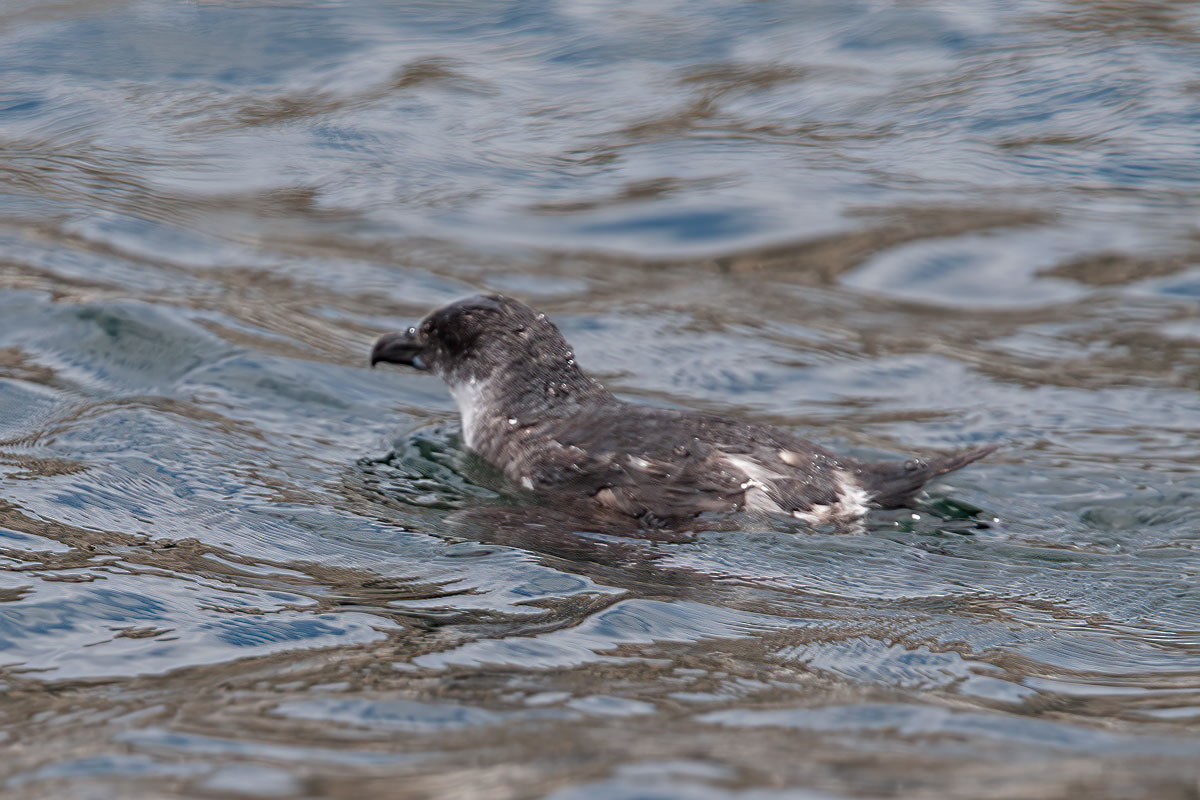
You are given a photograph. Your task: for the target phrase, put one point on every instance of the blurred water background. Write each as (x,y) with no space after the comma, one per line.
(234,561)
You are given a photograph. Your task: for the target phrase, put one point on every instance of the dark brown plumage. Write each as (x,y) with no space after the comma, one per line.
(529,410)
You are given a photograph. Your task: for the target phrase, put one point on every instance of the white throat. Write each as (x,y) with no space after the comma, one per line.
(471,397)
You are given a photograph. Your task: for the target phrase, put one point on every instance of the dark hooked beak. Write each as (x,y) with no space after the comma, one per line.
(399,348)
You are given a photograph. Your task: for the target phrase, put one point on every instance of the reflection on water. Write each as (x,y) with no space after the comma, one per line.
(235,561)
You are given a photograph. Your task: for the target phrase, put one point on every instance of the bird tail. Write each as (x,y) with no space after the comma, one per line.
(892,484)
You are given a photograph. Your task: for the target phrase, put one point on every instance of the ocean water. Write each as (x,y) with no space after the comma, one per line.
(235,561)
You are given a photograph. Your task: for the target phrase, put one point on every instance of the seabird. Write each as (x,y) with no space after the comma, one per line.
(528,409)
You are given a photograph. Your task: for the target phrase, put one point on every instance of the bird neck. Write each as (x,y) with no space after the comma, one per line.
(509,400)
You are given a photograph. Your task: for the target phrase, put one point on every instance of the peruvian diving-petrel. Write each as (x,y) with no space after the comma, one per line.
(529,410)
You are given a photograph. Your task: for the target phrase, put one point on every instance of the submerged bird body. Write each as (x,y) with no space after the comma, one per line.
(528,409)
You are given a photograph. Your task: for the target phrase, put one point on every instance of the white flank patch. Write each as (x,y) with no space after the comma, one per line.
(470,399)
(851,504)
(757,478)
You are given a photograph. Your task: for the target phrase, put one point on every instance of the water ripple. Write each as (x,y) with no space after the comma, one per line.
(235,559)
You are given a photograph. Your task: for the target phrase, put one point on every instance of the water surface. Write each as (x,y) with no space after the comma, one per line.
(236,561)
